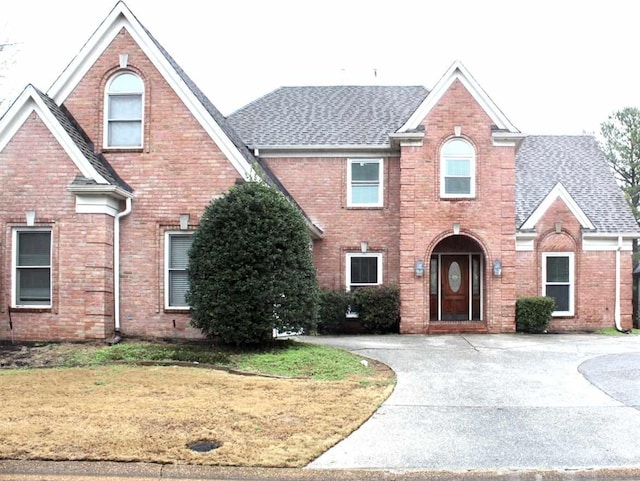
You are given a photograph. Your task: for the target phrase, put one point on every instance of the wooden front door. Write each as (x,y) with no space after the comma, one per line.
(454,277)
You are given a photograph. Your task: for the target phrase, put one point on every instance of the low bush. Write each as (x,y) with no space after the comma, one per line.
(333,310)
(533,314)
(378,308)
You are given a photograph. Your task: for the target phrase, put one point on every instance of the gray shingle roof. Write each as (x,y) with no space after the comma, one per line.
(579,164)
(70,126)
(337,115)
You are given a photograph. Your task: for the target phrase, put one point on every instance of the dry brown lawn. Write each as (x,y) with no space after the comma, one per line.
(151,414)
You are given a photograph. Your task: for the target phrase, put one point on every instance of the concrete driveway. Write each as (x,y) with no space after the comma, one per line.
(498,402)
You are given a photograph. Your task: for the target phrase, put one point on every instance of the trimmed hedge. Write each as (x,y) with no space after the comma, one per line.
(533,314)
(378,310)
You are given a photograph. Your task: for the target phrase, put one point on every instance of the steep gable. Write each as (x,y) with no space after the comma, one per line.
(579,166)
(94,168)
(197,103)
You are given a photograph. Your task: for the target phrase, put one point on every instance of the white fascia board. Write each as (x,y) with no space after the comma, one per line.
(608,241)
(457,71)
(121,17)
(525,241)
(558,191)
(30,101)
(506,139)
(97,204)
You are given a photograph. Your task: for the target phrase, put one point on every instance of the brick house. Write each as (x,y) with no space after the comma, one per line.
(435,191)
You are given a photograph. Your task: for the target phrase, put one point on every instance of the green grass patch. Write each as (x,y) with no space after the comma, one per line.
(143,351)
(297,359)
(285,358)
(610,331)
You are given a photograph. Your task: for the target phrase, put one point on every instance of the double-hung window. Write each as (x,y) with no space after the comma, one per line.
(363,270)
(177,263)
(457,169)
(32,268)
(558,280)
(124,107)
(364,183)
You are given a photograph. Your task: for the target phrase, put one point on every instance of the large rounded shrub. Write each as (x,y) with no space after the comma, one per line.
(250,267)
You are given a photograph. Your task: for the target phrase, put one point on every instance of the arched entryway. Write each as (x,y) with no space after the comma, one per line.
(456,281)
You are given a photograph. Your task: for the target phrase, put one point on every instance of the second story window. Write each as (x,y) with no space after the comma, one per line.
(457,170)
(364,183)
(124,107)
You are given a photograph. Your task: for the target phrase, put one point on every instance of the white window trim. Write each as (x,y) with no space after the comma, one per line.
(350,256)
(167,251)
(105,128)
(14,266)
(570,255)
(472,161)
(380,202)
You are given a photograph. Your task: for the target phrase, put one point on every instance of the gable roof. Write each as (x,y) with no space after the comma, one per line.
(457,71)
(94,168)
(201,108)
(345,115)
(578,164)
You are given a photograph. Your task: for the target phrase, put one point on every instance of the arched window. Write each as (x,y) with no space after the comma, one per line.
(124,107)
(457,169)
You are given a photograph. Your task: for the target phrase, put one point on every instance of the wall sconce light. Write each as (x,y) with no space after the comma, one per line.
(31,218)
(456,228)
(497,268)
(184,221)
(364,246)
(419,268)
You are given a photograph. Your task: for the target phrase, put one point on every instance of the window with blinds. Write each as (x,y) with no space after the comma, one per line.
(178,246)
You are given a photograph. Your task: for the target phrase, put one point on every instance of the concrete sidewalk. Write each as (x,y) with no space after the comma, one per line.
(498,402)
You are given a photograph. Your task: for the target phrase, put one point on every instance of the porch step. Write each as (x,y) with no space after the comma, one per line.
(457,327)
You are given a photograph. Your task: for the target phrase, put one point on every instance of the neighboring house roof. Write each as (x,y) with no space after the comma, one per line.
(345,115)
(579,165)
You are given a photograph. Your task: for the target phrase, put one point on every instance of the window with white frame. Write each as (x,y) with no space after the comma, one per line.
(364,183)
(177,247)
(457,169)
(558,280)
(363,270)
(32,268)
(124,107)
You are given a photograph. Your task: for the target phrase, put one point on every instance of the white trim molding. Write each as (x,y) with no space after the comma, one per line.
(121,18)
(525,241)
(29,102)
(457,71)
(571,282)
(558,191)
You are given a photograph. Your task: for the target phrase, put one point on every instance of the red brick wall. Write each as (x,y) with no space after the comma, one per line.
(489,218)
(594,274)
(320,187)
(35,174)
(179,171)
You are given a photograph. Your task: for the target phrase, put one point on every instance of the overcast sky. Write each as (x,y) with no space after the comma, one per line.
(558,67)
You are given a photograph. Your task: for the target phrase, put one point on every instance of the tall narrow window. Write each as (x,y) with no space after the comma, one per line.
(364,183)
(557,280)
(177,277)
(32,273)
(124,107)
(457,170)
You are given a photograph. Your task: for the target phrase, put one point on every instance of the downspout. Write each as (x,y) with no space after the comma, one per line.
(616,310)
(116,266)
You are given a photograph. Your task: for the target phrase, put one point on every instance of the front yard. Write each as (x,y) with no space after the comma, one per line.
(155,413)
